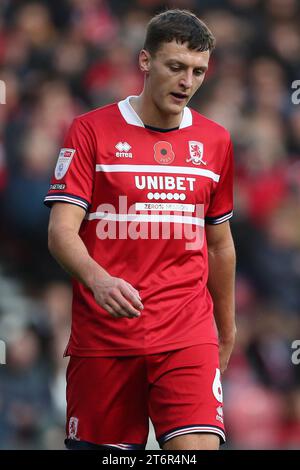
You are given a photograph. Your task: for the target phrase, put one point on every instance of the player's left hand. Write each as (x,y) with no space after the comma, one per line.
(225,349)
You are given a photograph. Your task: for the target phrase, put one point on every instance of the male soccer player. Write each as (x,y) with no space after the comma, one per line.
(141,198)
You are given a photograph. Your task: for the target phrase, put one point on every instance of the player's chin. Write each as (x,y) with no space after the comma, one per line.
(180,105)
(175,108)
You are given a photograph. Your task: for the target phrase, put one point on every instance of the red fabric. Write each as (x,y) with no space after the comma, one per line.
(171,273)
(109,398)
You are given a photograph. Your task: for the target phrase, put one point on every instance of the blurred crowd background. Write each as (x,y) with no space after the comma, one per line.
(61,58)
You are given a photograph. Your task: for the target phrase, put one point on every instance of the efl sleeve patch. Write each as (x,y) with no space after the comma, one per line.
(63,162)
(75,166)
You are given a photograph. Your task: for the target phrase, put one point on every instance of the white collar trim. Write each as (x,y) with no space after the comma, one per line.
(131,117)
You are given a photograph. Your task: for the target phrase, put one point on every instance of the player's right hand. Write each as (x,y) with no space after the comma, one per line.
(119,298)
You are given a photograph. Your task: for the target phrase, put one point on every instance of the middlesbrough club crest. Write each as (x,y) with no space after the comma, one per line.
(73,428)
(196,153)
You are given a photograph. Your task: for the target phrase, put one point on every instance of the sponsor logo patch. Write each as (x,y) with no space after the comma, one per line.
(63,162)
(58,186)
(123,150)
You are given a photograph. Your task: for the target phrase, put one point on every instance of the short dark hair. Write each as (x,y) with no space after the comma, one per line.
(181,25)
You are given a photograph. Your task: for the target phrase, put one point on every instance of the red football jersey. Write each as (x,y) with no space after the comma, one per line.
(147,197)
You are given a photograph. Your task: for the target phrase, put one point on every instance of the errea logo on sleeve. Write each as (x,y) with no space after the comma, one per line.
(63,162)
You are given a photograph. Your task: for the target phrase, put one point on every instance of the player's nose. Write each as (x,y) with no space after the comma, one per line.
(186,80)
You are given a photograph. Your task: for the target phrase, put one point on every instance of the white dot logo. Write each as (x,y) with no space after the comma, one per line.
(168,196)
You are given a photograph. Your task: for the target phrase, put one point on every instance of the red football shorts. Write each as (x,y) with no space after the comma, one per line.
(110,399)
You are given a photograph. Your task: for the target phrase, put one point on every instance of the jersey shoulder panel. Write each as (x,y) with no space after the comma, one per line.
(103,112)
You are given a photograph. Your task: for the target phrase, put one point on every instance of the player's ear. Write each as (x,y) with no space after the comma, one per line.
(144,61)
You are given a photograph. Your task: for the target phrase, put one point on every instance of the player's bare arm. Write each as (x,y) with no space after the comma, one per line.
(222,262)
(115,295)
